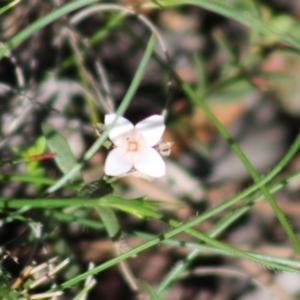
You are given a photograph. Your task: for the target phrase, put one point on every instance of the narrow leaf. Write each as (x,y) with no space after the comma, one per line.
(64,157)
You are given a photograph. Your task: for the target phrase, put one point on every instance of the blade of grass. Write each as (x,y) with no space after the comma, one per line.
(155,241)
(182,265)
(208,250)
(199,102)
(9,6)
(217,230)
(34,180)
(234,146)
(185,227)
(117,202)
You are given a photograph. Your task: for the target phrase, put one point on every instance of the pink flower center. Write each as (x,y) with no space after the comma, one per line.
(132,146)
(132,149)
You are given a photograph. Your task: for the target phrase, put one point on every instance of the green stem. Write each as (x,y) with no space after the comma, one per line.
(195,98)
(176,230)
(280,216)
(182,265)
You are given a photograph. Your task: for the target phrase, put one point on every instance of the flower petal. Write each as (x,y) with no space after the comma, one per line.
(151,164)
(121,128)
(152,129)
(115,165)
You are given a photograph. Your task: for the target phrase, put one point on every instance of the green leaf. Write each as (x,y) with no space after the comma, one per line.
(5,290)
(95,189)
(64,157)
(232,92)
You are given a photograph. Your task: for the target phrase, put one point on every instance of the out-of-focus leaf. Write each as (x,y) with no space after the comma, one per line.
(95,189)
(64,157)
(281,70)
(147,288)
(240,11)
(5,290)
(236,91)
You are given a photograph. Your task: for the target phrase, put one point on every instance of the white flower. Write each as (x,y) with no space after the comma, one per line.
(133,146)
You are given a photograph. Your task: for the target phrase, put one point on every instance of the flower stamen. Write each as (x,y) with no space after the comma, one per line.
(132,146)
